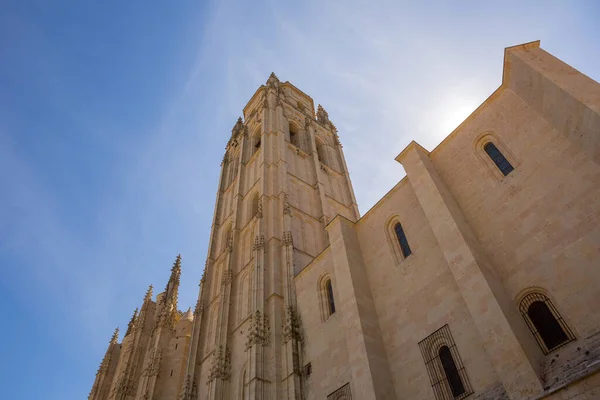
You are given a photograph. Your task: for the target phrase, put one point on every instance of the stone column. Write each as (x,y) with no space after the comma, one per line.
(371,378)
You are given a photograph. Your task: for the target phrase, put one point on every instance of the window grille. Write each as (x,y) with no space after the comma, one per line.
(330,301)
(498,158)
(446,371)
(545,322)
(342,393)
(402,240)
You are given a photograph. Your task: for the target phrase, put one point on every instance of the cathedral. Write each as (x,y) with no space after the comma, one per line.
(476,276)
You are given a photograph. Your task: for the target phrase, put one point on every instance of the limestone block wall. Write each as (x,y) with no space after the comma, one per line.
(416,295)
(540,224)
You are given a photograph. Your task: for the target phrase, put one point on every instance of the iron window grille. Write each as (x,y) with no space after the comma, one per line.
(446,371)
(342,393)
(545,322)
(498,158)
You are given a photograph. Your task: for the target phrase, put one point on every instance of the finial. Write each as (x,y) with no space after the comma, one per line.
(273,76)
(132,322)
(115,336)
(148,293)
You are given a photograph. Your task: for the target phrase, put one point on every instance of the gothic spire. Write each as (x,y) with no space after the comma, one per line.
(132,322)
(172,288)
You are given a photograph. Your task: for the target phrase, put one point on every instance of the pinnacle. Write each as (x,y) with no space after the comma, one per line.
(149,293)
(132,321)
(273,76)
(115,336)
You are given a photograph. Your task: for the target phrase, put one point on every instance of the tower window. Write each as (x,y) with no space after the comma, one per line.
(498,158)
(257,145)
(402,240)
(330,300)
(548,327)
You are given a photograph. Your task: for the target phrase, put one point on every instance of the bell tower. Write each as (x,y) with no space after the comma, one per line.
(283,178)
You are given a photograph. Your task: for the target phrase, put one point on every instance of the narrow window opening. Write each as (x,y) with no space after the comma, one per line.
(321,152)
(257,145)
(308,369)
(176,346)
(294,136)
(452,375)
(171,372)
(544,321)
(498,158)
(404,247)
(330,300)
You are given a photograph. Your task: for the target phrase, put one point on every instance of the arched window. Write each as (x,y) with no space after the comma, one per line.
(544,321)
(330,300)
(294,136)
(451,372)
(498,158)
(402,240)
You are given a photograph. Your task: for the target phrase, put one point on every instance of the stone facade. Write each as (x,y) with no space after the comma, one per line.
(435,293)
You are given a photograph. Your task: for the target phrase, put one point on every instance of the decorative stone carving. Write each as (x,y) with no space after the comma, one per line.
(188,392)
(265,102)
(259,242)
(227,277)
(221,365)
(153,364)
(323,119)
(199,310)
(291,326)
(239,130)
(286,205)
(259,214)
(287,238)
(260,330)
(273,81)
(230,241)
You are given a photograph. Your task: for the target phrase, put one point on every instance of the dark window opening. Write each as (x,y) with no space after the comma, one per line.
(544,321)
(176,346)
(171,372)
(498,158)
(308,369)
(257,145)
(402,240)
(330,301)
(451,372)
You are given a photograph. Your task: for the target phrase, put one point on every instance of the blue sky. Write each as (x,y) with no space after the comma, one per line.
(114,116)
